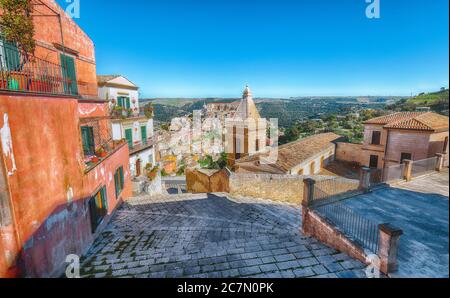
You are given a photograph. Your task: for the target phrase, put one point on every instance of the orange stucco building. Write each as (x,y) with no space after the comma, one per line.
(390,139)
(61,174)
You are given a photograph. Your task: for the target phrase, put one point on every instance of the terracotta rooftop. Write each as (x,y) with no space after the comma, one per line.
(295,153)
(425,121)
(106,78)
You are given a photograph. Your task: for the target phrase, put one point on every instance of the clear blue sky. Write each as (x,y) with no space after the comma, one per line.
(281,48)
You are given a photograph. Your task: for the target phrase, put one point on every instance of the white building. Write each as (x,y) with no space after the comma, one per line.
(127,120)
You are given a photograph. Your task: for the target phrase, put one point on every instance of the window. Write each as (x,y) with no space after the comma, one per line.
(257,145)
(69,74)
(124,102)
(9,55)
(404,156)
(376,137)
(129,137)
(300,172)
(445,145)
(98,208)
(87,136)
(119,181)
(144,134)
(373,161)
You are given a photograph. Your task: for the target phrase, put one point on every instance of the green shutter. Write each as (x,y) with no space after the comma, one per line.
(129,137)
(12,55)
(116,184)
(69,74)
(144,134)
(104,201)
(120,101)
(128,105)
(87,136)
(121,178)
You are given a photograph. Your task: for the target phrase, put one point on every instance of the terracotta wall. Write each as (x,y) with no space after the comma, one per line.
(350,152)
(47,180)
(414,142)
(437,141)
(315,226)
(79,45)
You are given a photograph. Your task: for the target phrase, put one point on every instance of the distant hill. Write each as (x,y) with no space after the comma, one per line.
(286,110)
(436,101)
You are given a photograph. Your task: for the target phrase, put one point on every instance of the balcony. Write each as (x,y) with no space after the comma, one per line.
(141,146)
(34,75)
(98,144)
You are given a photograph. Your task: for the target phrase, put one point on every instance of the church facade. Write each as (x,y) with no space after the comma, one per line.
(245,132)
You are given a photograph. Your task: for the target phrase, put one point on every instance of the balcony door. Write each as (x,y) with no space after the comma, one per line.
(69,75)
(129,137)
(144,134)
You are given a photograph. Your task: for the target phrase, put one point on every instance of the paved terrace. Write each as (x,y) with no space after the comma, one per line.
(420,208)
(211,236)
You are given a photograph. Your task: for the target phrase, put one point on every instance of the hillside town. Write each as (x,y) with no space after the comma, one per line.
(86,172)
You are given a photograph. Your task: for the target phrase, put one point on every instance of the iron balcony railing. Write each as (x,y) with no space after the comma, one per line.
(327,189)
(359,229)
(25,73)
(141,145)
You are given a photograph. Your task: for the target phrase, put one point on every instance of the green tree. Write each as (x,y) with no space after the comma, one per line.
(17,24)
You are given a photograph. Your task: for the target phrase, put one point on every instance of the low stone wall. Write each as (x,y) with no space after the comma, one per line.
(283,188)
(314,225)
(349,152)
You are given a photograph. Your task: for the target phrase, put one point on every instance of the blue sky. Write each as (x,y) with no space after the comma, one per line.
(281,48)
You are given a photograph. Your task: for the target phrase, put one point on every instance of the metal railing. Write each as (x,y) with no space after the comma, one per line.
(329,188)
(393,173)
(141,145)
(357,228)
(420,167)
(31,74)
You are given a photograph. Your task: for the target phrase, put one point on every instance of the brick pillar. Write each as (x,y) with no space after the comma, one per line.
(364,179)
(308,191)
(408,170)
(388,247)
(440,162)
(308,195)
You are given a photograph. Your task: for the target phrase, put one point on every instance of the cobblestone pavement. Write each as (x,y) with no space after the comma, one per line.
(211,236)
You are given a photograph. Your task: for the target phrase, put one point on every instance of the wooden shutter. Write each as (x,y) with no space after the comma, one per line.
(104,201)
(144,134)
(121,178)
(87,135)
(116,183)
(129,137)
(12,56)
(69,75)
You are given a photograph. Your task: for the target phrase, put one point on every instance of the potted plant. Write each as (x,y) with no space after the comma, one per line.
(95,159)
(151,175)
(102,152)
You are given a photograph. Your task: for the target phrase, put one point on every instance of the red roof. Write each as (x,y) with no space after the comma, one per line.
(425,121)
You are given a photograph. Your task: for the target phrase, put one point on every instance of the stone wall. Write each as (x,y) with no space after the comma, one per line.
(350,152)
(283,188)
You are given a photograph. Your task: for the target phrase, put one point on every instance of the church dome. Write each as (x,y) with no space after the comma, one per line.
(247,92)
